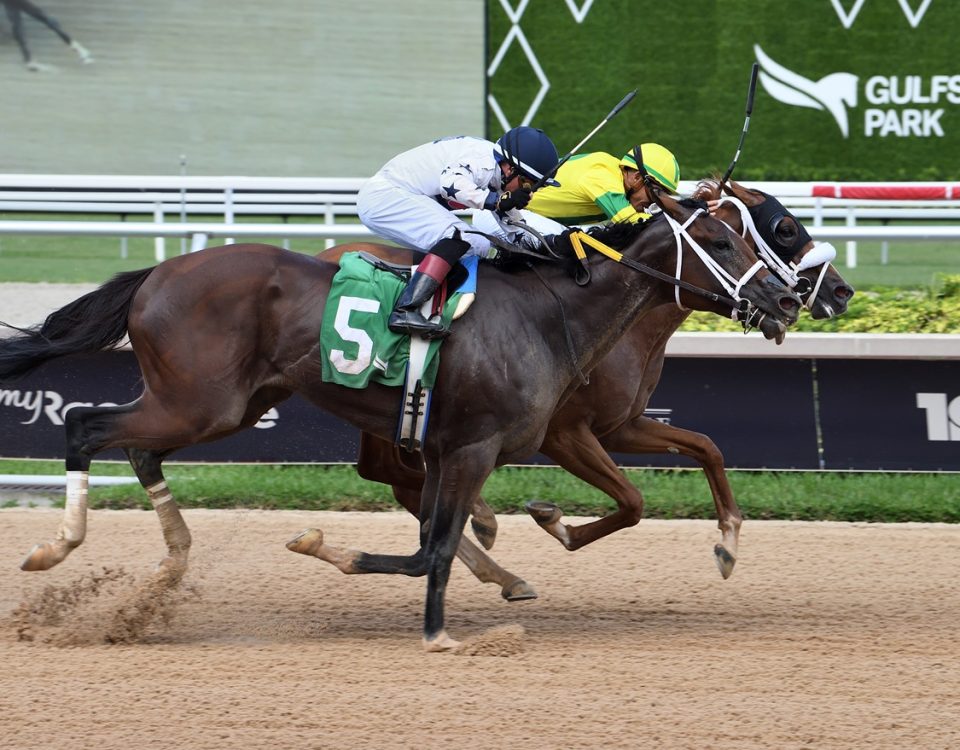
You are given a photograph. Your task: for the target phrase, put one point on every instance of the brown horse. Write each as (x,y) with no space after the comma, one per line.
(223,334)
(608,413)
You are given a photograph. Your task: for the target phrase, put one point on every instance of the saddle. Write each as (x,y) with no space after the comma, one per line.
(357,347)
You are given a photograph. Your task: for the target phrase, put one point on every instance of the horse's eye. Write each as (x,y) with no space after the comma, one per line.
(723,245)
(786,230)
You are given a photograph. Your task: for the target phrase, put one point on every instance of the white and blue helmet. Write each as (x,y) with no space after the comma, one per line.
(528,150)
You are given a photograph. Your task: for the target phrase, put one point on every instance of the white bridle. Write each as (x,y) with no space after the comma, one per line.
(730,283)
(822,254)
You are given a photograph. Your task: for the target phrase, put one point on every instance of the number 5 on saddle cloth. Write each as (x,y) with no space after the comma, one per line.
(358,348)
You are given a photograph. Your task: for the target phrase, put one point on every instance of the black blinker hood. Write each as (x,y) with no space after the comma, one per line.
(766,216)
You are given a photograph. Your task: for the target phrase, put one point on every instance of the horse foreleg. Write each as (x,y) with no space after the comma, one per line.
(578,451)
(460,477)
(382,461)
(484,568)
(450,498)
(147,465)
(645,435)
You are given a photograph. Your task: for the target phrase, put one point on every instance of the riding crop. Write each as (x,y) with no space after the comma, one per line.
(746,123)
(613,113)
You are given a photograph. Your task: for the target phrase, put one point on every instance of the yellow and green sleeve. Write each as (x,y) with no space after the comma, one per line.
(591,190)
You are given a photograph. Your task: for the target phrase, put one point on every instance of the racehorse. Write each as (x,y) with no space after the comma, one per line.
(223,334)
(607,415)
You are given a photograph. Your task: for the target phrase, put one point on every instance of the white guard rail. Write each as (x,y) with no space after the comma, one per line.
(329,199)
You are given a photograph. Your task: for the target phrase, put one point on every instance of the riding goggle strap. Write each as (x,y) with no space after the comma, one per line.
(822,254)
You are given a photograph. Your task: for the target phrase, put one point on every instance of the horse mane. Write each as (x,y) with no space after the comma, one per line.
(617,236)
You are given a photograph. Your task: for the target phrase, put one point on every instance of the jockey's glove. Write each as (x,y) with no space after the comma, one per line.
(560,243)
(518,199)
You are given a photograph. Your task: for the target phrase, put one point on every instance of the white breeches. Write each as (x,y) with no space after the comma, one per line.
(412,220)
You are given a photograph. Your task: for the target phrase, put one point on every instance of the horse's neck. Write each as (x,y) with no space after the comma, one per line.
(619,299)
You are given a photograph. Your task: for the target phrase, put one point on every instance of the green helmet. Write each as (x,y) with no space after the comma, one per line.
(659,162)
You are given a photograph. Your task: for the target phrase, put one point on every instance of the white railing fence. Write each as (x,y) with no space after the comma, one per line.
(331,204)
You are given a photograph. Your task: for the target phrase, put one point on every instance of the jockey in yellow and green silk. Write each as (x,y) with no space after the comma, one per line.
(599,187)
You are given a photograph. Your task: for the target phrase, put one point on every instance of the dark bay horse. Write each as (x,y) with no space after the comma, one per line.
(223,334)
(607,415)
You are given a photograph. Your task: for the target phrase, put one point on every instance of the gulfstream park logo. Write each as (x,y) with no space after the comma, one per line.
(837,95)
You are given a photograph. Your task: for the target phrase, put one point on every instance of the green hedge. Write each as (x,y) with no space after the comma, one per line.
(935,310)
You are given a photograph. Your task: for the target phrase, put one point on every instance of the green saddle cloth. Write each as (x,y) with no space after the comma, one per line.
(355,344)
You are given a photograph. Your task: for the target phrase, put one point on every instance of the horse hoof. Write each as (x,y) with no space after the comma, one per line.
(171,569)
(543,512)
(725,561)
(440,643)
(485,534)
(41,557)
(518,591)
(307,542)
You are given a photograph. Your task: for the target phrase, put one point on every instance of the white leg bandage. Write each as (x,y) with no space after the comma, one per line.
(74,527)
(175,531)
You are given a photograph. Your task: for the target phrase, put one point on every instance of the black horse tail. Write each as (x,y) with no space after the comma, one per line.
(92,323)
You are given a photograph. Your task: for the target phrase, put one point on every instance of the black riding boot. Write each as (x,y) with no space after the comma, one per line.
(406,316)
(433,269)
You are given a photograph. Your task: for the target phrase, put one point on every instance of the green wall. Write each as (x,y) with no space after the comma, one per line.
(690,62)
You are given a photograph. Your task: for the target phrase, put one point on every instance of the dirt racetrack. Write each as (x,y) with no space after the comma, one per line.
(827,636)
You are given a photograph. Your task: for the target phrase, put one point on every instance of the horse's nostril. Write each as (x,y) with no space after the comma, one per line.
(843,292)
(789,304)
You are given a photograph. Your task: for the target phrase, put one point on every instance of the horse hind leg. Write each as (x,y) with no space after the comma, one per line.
(147,430)
(73,527)
(83,442)
(147,465)
(93,429)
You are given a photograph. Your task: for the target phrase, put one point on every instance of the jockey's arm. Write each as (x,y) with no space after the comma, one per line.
(605,188)
(464,189)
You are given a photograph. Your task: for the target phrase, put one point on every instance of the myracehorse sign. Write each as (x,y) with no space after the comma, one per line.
(889,414)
